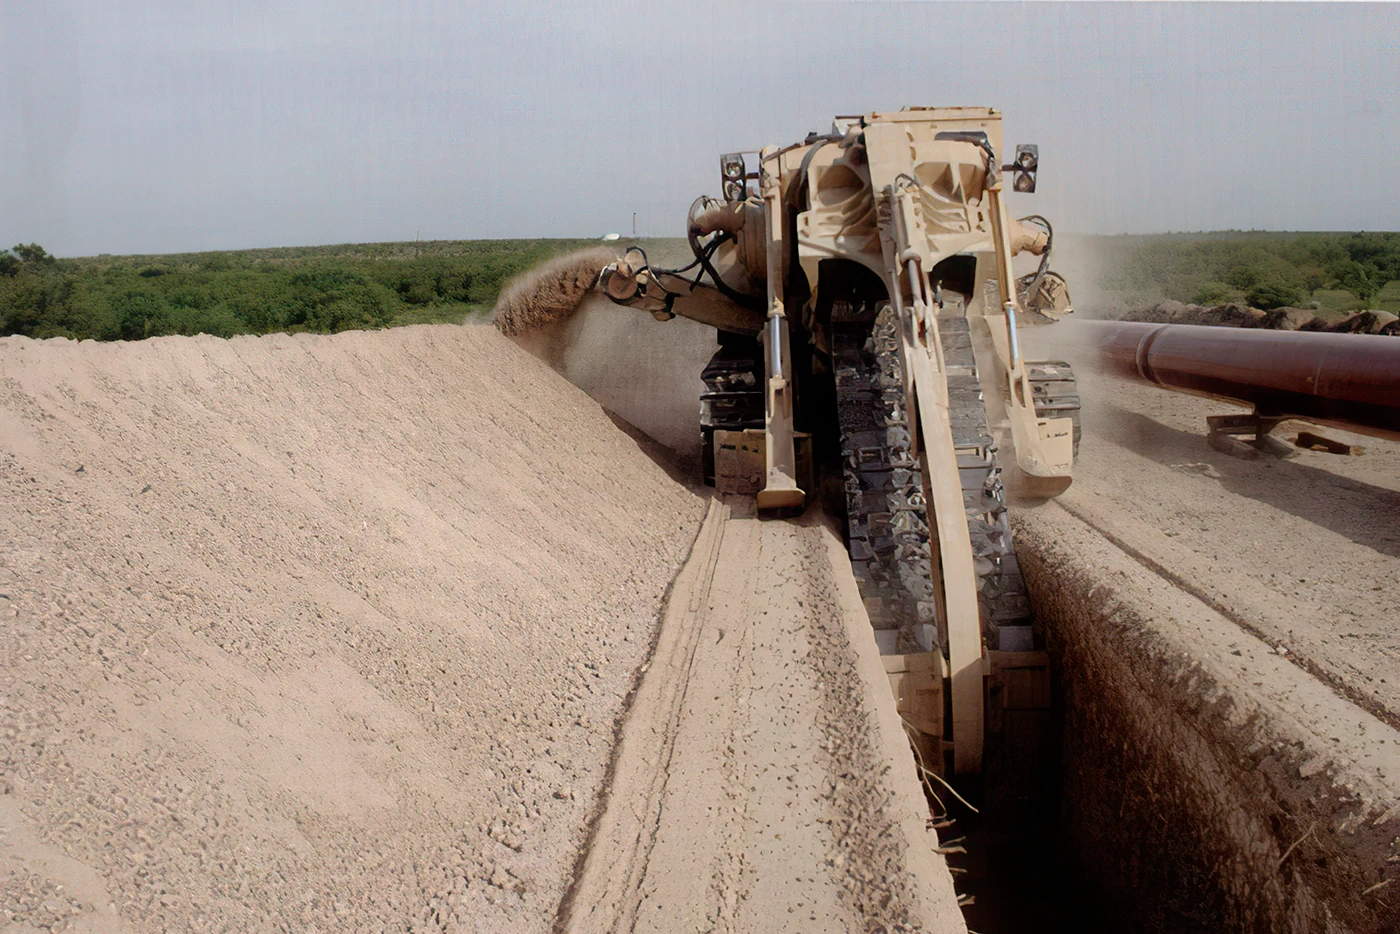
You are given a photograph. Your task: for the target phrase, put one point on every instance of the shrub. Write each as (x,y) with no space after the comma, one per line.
(1216,293)
(1357,278)
(1269,295)
(141,314)
(31,254)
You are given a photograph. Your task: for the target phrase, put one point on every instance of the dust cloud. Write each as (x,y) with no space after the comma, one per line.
(644,371)
(1079,259)
(1069,341)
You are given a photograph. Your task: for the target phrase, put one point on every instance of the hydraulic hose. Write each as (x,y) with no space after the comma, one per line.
(702,254)
(1035,281)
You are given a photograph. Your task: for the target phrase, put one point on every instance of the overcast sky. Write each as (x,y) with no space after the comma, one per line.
(173,125)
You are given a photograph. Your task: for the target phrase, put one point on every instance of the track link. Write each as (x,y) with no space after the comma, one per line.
(1001,591)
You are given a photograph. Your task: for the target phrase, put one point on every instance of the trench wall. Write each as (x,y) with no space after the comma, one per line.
(1209,784)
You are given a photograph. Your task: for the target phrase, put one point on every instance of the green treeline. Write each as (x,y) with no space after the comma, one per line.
(376,285)
(320,289)
(1340,271)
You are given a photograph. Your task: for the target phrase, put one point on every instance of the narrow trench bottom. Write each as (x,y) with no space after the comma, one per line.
(1022,878)
(1022,868)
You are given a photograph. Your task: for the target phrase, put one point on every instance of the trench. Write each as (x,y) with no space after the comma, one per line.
(1176,797)
(1133,817)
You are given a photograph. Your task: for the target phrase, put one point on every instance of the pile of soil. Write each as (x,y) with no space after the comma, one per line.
(1280,319)
(312,633)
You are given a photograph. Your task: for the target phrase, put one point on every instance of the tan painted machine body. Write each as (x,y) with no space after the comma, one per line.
(890,230)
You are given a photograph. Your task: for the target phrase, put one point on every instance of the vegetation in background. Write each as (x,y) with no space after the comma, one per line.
(1339,271)
(334,288)
(322,289)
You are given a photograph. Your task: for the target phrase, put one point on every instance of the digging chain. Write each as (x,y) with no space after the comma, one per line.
(888,528)
(887,519)
(1001,592)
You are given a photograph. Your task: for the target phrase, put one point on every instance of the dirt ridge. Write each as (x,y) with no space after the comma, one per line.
(313,631)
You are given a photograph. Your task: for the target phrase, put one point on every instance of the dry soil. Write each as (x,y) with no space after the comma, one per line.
(312,633)
(338,633)
(763,779)
(1304,552)
(1224,631)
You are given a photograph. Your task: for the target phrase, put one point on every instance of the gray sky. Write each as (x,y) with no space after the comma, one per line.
(173,125)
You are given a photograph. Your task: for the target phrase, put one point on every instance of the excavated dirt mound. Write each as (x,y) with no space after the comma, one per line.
(1279,319)
(312,633)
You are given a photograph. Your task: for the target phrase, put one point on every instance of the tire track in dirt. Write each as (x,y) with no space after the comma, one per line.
(762,779)
(603,893)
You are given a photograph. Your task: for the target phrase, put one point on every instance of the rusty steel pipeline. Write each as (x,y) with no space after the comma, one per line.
(1348,380)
